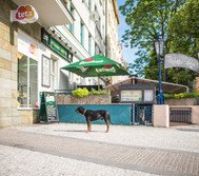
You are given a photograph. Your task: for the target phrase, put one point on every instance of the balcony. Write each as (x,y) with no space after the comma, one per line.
(51,12)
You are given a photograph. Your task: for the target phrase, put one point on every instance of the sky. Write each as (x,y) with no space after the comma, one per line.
(128,53)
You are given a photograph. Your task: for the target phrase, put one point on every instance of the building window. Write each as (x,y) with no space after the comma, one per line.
(54,73)
(90,5)
(82,34)
(68,5)
(27,81)
(98,23)
(86,2)
(71,26)
(71,10)
(90,44)
(97,49)
(45,71)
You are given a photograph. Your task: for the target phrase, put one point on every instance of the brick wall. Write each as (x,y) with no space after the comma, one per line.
(9,114)
(184,101)
(8,77)
(68,99)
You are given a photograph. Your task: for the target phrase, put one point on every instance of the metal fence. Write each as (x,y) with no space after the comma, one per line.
(180,114)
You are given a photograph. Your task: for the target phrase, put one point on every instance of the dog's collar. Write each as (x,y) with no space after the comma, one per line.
(84,111)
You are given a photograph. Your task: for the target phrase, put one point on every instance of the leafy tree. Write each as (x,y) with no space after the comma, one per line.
(183,37)
(183,29)
(150,20)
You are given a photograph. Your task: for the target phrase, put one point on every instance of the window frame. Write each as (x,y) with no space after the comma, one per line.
(44,84)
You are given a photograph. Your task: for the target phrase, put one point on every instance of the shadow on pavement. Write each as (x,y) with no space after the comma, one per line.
(188,130)
(79,131)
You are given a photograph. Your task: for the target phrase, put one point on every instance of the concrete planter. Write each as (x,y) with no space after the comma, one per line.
(161,116)
(184,101)
(91,99)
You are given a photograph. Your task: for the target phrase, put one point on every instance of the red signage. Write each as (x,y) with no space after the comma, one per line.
(89,59)
(24,14)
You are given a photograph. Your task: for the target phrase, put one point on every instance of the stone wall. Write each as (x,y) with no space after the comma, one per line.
(9,114)
(8,72)
(196,86)
(161,116)
(68,99)
(184,101)
(28,116)
(195,115)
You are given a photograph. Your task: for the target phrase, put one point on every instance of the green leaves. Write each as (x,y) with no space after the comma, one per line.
(183,29)
(176,21)
(83,92)
(80,93)
(182,95)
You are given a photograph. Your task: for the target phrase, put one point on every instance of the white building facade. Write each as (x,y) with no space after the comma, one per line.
(114,47)
(32,54)
(80,37)
(85,36)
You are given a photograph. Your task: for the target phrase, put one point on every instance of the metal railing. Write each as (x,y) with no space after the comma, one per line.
(180,114)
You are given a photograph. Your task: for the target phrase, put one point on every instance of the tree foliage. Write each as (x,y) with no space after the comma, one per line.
(170,20)
(184,29)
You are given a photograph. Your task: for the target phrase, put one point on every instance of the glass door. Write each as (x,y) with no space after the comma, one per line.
(23,80)
(33,86)
(27,81)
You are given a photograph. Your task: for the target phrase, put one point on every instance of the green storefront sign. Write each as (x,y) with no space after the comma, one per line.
(55,46)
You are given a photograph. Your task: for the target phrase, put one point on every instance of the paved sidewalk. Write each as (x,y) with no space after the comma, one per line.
(128,159)
(183,138)
(20,162)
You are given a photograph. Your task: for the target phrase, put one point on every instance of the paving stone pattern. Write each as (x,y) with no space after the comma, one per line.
(149,160)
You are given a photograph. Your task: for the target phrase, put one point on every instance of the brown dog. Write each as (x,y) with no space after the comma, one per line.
(92,115)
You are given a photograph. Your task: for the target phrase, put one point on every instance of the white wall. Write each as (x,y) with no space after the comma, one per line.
(24,42)
(82,13)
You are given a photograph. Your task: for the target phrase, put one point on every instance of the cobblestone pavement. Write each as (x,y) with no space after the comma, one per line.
(20,162)
(112,157)
(184,138)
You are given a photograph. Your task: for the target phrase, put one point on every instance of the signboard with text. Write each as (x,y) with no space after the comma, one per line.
(181,61)
(131,95)
(48,108)
(56,46)
(24,14)
(137,93)
(148,95)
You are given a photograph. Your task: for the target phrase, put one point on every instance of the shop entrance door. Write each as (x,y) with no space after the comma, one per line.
(27,81)
(143,114)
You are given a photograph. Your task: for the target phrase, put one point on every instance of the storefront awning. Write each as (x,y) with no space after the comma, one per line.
(51,12)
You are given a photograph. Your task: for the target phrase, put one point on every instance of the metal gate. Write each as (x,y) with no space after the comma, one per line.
(180,114)
(143,114)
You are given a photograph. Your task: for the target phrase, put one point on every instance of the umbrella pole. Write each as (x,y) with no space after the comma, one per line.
(98,83)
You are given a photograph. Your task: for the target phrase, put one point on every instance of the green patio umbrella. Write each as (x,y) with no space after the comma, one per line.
(96,66)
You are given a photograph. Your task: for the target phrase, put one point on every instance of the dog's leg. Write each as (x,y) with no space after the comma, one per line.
(107,125)
(88,126)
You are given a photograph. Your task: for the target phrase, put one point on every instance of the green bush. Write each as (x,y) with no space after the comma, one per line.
(98,92)
(182,95)
(168,96)
(83,92)
(80,93)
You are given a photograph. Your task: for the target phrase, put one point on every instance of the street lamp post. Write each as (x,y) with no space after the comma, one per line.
(159,46)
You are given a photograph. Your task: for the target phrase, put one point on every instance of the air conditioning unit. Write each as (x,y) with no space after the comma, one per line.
(94,16)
